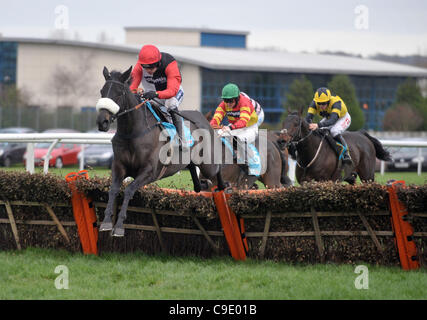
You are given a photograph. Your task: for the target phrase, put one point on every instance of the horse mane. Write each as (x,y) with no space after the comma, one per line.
(318,133)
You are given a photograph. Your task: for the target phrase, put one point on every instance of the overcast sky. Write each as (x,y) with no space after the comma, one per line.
(359,27)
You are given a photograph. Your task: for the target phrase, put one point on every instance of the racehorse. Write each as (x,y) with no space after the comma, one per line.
(137,145)
(317,160)
(275,173)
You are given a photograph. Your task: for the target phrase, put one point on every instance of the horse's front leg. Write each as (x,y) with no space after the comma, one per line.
(117,179)
(142,179)
(195,177)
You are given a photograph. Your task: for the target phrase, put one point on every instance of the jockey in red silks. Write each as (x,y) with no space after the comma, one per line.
(160,78)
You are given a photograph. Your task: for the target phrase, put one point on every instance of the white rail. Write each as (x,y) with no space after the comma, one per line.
(54,139)
(105,138)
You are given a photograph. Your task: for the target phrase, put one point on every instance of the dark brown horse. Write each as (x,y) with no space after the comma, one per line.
(138,145)
(316,160)
(274,173)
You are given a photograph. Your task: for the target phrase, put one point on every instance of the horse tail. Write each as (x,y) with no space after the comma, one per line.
(380,152)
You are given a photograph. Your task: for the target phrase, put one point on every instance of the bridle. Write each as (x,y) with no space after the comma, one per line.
(296,136)
(124,101)
(296,142)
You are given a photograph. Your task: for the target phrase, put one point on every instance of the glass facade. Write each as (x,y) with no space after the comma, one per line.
(222,40)
(8,52)
(375,94)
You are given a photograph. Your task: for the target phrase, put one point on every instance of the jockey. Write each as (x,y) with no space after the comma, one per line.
(160,78)
(241,112)
(335,116)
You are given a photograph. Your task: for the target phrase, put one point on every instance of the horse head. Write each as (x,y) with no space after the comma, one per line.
(293,127)
(113,97)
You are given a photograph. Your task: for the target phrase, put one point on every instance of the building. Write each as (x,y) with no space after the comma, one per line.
(69,73)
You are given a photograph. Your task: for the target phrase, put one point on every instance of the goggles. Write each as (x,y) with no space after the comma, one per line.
(150,66)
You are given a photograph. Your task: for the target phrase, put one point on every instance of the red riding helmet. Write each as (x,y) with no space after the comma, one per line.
(149,55)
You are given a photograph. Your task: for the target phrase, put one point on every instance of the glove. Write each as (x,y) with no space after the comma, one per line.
(150,95)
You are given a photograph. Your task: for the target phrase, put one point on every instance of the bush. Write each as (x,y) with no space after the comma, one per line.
(299,96)
(409,93)
(402,117)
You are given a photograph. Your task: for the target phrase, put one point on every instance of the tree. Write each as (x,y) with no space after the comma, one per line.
(299,96)
(402,117)
(410,93)
(342,86)
(12,101)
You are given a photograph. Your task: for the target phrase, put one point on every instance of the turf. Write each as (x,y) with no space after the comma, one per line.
(30,274)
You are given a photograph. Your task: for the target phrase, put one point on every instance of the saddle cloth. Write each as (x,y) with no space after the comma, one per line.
(252,155)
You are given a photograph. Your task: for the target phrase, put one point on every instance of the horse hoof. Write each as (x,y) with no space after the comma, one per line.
(106,226)
(118,232)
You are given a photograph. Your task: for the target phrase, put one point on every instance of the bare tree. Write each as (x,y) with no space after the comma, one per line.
(72,84)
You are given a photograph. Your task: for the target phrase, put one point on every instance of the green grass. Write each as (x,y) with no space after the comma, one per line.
(30,274)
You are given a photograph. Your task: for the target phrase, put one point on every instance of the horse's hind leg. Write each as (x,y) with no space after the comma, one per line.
(141,180)
(118,174)
(366,172)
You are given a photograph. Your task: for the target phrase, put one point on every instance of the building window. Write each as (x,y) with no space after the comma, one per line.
(222,40)
(8,52)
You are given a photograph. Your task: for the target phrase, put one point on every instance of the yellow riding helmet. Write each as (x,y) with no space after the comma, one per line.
(322,95)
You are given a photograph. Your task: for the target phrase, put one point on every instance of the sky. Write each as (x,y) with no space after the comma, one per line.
(356,27)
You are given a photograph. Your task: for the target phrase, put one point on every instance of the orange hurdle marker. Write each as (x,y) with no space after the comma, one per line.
(402,229)
(90,216)
(84,215)
(229,225)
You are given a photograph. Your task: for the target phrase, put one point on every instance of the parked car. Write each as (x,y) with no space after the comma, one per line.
(63,154)
(13,152)
(98,155)
(407,158)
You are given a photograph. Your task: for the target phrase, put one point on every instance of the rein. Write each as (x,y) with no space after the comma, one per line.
(296,143)
(126,111)
(115,116)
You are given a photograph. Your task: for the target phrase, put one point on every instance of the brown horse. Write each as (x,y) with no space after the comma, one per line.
(275,173)
(316,159)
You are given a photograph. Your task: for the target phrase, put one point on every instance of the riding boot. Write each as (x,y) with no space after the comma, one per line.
(346,159)
(348,176)
(166,113)
(177,121)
